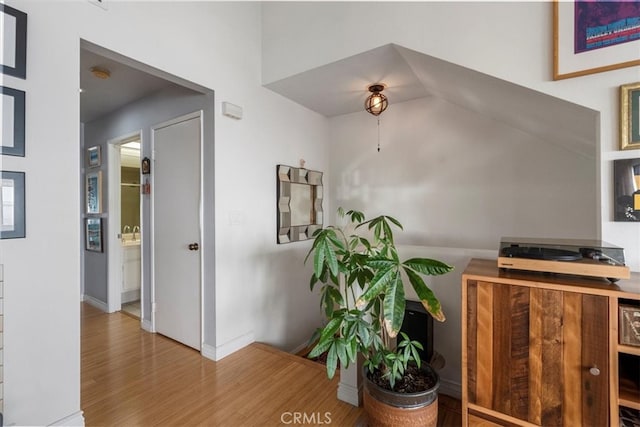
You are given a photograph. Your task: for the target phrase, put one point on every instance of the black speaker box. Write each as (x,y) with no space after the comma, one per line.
(418,324)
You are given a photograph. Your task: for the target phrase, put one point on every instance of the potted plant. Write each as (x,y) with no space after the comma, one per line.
(362,294)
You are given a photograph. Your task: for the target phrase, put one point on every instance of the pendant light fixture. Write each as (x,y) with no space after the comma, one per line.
(376,103)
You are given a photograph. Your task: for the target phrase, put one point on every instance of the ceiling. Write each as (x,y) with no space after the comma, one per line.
(341,88)
(103,96)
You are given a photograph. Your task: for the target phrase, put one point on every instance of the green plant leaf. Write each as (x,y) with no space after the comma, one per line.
(394,305)
(319,349)
(341,346)
(332,360)
(395,221)
(377,285)
(356,216)
(331,259)
(318,259)
(426,295)
(429,267)
(329,331)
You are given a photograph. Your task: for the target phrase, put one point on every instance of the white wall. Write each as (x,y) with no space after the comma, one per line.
(471,34)
(457,180)
(216,45)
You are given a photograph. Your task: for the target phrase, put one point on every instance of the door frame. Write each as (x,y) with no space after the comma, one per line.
(114,249)
(199,114)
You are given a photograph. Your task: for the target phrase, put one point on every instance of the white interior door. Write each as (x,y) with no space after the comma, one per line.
(176,230)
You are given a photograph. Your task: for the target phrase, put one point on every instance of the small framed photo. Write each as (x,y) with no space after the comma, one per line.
(93,234)
(12,108)
(629,325)
(14,42)
(630,116)
(93,190)
(146,166)
(94,157)
(626,189)
(12,206)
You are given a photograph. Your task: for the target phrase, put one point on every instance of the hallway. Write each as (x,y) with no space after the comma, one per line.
(131,377)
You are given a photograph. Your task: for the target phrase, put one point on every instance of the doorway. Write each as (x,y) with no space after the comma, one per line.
(125,225)
(177,229)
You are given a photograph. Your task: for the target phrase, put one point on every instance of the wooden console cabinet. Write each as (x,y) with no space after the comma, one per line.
(543,350)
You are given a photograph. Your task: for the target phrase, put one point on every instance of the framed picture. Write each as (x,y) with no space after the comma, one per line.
(94,158)
(594,36)
(13,42)
(146,166)
(630,116)
(93,234)
(626,181)
(12,109)
(12,212)
(93,190)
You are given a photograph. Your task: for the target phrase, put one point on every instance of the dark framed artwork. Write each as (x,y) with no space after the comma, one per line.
(626,173)
(14,42)
(13,124)
(93,191)
(93,234)
(12,205)
(630,116)
(594,36)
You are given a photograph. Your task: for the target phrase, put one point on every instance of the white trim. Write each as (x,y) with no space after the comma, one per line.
(208,351)
(146,325)
(96,303)
(450,388)
(299,348)
(130,296)
(220,352)
(199,114)
(350,394)
(114,249)
(76,419)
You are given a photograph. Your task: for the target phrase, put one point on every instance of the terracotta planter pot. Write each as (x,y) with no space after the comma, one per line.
(386,408)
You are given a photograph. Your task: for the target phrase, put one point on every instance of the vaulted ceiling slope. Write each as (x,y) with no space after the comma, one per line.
(341,87)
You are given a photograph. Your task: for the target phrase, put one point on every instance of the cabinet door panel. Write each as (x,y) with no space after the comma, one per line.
(529,351)
(595,353)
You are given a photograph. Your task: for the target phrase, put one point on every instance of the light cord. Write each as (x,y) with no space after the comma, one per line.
(378,134)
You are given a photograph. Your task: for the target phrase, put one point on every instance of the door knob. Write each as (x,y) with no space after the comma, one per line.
(193,246)
(595,371)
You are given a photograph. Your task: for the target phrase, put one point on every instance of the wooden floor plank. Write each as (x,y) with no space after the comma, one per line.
(131,377)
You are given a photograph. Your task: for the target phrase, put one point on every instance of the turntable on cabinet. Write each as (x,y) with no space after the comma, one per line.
(569,256)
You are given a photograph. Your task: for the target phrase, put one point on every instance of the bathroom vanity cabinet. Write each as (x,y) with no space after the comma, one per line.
(541,349)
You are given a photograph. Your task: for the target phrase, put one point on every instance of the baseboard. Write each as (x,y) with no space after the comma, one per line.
(350,394)
(208,351)
(73,420)
(299,348)
(96,303)
(450,388)
(146,325)
(130,296)
(220,352)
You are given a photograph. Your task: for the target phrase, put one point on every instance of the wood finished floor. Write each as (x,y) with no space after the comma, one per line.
(133,378)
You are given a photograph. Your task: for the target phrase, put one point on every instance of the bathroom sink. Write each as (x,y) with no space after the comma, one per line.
(128,239)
